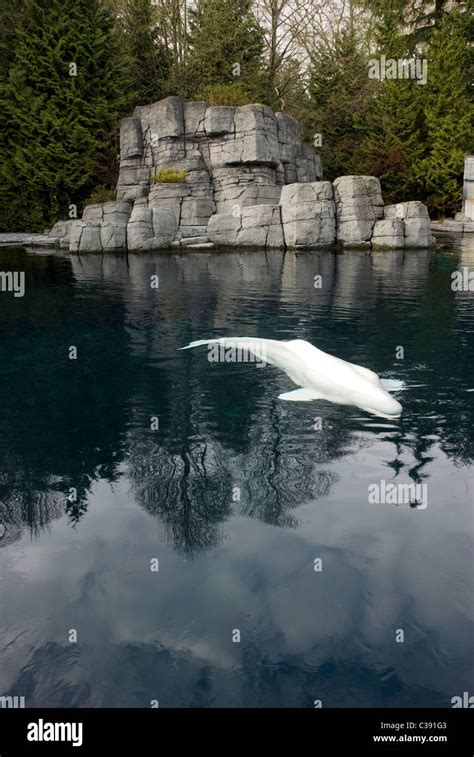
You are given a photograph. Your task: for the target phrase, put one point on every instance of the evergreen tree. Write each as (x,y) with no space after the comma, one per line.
(10,19)
(448,112)
(57,122)
(416,136)
(146,58)
(339,91)
(417,18)
(291,95)
(226,48)
(393,139)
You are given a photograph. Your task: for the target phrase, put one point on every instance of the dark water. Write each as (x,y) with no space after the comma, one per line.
(226,563)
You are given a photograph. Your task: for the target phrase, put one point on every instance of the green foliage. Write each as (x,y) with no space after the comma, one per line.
(375,128)
(415,136)
(146,59)
(100,194)
(340,91)
(393,26)
(168,176)
(226,47)
(10,19)
(448,113)
(288,93)
(415,21)
(58,129)
(225,94)
(389,128)
(392,139)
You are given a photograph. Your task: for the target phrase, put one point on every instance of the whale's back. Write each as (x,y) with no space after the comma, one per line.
(324,363)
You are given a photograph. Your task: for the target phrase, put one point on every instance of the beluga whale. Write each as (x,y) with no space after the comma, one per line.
(321,376)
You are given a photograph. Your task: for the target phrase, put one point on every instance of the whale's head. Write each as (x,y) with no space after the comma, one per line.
(382,403)
(379,402)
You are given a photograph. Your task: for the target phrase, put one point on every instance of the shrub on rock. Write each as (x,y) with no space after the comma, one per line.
(168,176)
(100,194)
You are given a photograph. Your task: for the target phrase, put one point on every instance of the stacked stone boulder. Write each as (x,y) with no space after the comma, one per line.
(103,227)
(308,214)
(248,180)
(468,189)
(389,232)
(359,205)
(255,226)
(60,233)
(413,220)
(349,213)
(151,228)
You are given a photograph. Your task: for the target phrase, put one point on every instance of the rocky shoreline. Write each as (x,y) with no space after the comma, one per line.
(460,224)
(240,177)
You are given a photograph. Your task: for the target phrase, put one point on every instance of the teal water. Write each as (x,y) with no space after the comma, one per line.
(237,493)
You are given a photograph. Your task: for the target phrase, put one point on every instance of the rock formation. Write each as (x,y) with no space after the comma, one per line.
(248,180)
(468,189)
(463,221)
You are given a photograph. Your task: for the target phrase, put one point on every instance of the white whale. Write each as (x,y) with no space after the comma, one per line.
(321,376)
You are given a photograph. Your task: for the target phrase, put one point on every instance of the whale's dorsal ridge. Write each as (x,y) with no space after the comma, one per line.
(368,374)
(302,348)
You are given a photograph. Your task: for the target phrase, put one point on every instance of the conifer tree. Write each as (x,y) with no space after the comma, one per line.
(448,113)
(59,103)
(226,48)
(339,90)
(393,143)
(393,139)
(146,58)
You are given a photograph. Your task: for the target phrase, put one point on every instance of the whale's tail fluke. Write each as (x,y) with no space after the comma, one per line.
(271,351)
(199,343)
(244,342)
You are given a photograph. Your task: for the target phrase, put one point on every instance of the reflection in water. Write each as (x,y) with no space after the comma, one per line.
(24,505)
(243,488)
